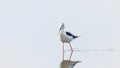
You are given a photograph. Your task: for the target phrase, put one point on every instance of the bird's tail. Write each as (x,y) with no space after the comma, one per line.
(76,36)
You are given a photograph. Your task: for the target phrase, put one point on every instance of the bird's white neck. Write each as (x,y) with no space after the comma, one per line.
(61,31)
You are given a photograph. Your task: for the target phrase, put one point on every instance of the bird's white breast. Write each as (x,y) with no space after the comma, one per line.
(65,39)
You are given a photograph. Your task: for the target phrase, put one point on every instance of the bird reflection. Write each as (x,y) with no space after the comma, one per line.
(68,63)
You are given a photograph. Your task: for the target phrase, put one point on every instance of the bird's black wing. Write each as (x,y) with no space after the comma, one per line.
(69,34)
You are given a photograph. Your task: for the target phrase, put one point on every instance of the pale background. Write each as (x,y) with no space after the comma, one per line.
(29,28)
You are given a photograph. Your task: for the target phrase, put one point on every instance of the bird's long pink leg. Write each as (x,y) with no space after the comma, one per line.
(63,50)
(71,51)
(71,47)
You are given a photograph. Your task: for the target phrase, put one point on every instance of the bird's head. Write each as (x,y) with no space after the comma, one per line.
(62,27)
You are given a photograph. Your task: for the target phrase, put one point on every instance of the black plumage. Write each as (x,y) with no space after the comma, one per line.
(69,34)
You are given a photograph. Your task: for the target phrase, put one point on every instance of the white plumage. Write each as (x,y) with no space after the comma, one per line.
(66,37)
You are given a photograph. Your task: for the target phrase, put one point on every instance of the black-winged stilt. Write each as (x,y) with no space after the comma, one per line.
(66,37)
